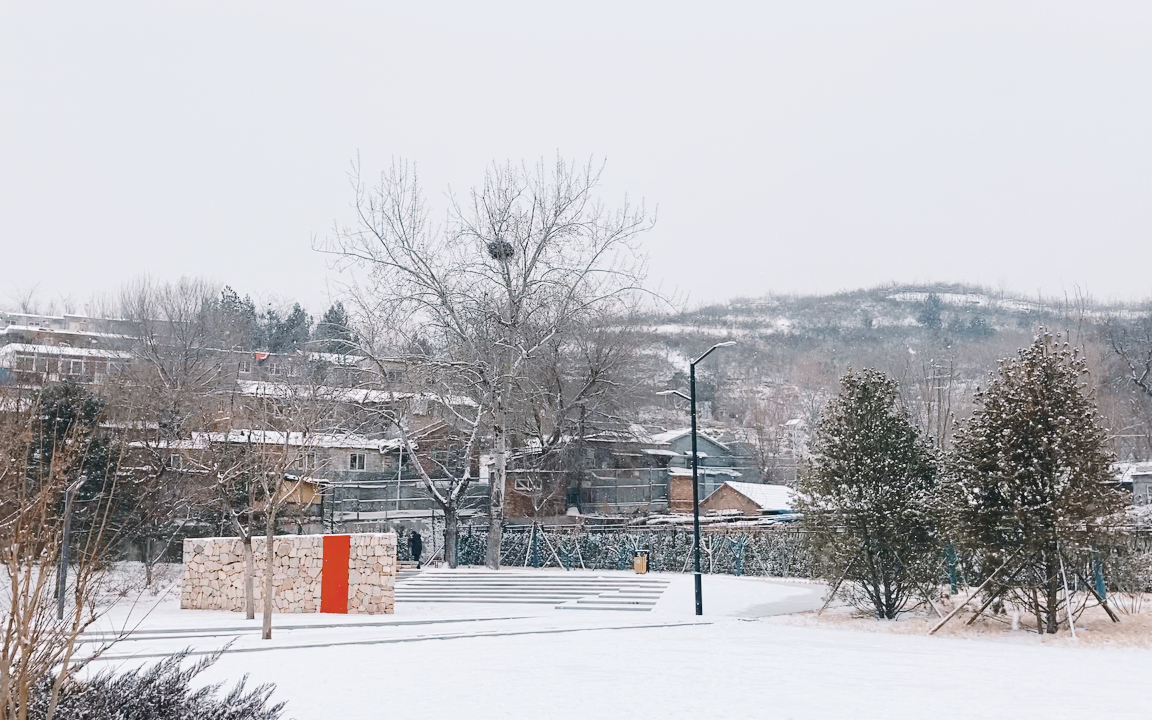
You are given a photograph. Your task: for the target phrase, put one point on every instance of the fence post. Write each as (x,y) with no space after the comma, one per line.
(1098,575)
(738,555)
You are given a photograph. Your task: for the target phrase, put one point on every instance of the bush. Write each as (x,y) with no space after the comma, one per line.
(160,692)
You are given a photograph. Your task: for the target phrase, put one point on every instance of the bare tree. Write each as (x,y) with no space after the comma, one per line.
(175,369)
(518,261)
(452,479)
(1132,343)
(285,422)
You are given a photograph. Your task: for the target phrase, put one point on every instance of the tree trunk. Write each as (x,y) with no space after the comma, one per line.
(451,531)
(1052,595)
(249,578)
(148,563)
(496,490)
(270,536)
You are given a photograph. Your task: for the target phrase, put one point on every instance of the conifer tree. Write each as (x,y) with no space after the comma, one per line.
(930,313)
(867,497)
(290,333)
(240,322)
(1029,479)
(334,332)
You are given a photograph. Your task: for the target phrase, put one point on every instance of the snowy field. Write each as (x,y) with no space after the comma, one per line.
(512,660)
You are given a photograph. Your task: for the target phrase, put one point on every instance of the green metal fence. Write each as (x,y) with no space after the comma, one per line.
(771,552)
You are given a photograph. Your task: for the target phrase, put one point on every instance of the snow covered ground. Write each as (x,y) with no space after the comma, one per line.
(511,660)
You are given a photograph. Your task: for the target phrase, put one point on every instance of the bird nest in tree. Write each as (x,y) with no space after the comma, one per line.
(501,250)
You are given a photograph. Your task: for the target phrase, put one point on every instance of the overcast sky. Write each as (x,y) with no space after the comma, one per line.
(789,146)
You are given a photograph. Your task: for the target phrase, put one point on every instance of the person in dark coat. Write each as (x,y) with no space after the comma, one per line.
(415,546)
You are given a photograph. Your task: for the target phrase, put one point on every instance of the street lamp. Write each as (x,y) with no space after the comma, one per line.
(62,570)
(695,471)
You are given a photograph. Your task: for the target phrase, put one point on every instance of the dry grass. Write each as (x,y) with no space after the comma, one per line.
(1093,628)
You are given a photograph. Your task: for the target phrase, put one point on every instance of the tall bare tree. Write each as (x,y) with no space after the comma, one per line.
(174,335)
(1132,343)
(516,262)
(260,455)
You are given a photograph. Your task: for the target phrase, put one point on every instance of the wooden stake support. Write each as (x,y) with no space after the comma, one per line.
(836,587)
(974,594)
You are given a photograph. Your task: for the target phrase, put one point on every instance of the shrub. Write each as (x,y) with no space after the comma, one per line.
(159,692)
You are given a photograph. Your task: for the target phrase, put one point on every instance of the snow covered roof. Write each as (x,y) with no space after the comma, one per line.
(201,440)
(666,438)
(61,350)
(771,498)
(687,471)
(1126,471)
(261,388)
(336,358)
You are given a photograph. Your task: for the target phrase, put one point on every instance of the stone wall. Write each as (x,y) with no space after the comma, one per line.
(372,573)
(214,573)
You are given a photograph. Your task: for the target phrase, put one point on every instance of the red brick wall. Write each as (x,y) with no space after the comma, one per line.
(725,498)
(680,494)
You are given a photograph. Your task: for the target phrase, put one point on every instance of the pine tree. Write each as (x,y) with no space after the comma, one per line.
(334,333)
(867,496)
(241,324)
(930,313)
(290,333)
(1029,478)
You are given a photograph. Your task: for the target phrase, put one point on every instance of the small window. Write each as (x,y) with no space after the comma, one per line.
(356,461)
(527,483)
(175,462)
(245,366)
(307,462)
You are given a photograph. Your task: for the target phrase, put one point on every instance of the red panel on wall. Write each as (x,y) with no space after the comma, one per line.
(334,574)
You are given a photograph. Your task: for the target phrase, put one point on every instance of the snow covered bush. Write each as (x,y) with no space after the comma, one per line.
(1029,481)
(867,498)
(161,692)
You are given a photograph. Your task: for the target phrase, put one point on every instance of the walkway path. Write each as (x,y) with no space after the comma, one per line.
(564,591)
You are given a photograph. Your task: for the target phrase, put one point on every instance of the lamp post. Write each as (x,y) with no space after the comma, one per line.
(695,472)
(62,569)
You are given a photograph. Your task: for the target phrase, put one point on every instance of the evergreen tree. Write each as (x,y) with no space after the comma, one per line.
(334,333)
(930,312)
(1029,477)
(867,496)
(979,327)
(241,324)
(290,333)
(68,423)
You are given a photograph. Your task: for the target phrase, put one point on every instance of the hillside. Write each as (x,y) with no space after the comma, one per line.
(792,349)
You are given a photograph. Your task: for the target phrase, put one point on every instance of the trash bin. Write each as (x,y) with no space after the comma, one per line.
(640,563)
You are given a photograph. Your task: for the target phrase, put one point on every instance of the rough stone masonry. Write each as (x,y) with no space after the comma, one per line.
(214,573)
